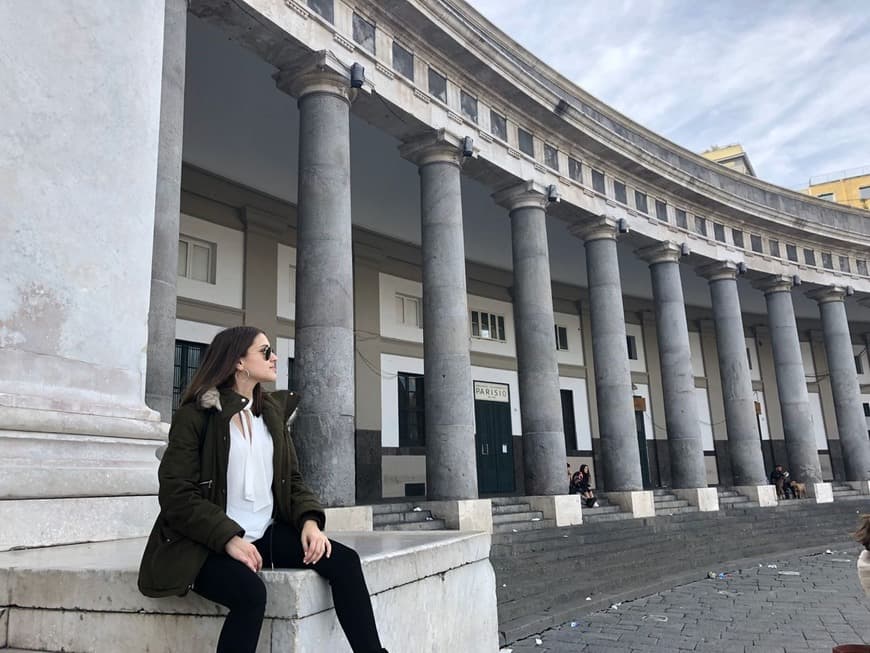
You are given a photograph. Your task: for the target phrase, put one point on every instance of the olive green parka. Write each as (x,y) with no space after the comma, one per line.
(193,488)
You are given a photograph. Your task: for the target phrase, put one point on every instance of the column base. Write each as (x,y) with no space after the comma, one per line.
(565,509)
(349,518)
(862,486)
(821,492)
(463,514)
(764,495)
(639,503)
(705,499)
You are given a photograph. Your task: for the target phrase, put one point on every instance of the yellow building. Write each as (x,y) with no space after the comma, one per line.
(849,187)
(731,156)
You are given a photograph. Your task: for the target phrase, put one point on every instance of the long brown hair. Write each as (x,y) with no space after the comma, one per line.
(218,366)
(863,532)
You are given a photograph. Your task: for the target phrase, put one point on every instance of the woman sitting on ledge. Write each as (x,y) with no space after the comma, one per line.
(232,501)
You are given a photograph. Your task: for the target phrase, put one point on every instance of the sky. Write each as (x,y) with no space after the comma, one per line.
(787,79)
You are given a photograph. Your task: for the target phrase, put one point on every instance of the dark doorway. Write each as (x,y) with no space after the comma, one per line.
(494,439)
(641,444)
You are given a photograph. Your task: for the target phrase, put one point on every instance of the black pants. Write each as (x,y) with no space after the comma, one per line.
(232,584)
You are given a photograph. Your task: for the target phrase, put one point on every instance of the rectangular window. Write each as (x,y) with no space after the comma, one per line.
(403,61)
(791,253)
(844,264)
(409,310)
(859,366)
(861,264)
(187,358)
(561,338)
(640,202)
(682,219)
(809,257)
(468,104)
(866,409)
(487,326)
(196,259)
(569,423)
(598,181)
(575,169)
(864,193)
(631,342)
(323,8)
(619,192)
(412,410)
(364,33)
(498,125)
(719,232)
(700,225)
(755,243)
(437,86)
(774,248)
(737,238)
(828,197)
(827,261)
(526,142)
(661,211)
(551,157)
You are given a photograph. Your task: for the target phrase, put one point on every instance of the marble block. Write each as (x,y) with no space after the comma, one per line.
(862,486)
(764,495)
(821,492)
(706,499)
(565,509)
(463,514)
(349,518)
(639,503)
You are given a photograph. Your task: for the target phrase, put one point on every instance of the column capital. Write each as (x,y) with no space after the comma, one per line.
(774,283)
(604,228)
(526,194)
(433,147)
(319,72)
(664,252)
(832,293)
(718,270)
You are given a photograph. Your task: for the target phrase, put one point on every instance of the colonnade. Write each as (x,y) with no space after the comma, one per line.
(325,340)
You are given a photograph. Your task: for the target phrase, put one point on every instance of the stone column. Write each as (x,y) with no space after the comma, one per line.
(77,440)
(678,381)
(616,420)
(451,464)
(537,368)
(744,444)
(797,421)
(851,423)
(164,257)
(324,431)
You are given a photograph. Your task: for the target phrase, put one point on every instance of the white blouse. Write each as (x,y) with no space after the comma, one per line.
(249,475)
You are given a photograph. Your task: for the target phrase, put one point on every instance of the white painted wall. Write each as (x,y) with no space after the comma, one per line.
(702,401)
(762,418)
(574,354)
(697,353)
(818,421)
(508,347)
(581,410)
(807,358)
(196,331)
(286,282)
(391,326)
(227,290)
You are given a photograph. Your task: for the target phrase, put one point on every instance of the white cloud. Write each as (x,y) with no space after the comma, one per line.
(789,81)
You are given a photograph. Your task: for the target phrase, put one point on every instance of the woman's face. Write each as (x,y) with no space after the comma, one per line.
(260,361)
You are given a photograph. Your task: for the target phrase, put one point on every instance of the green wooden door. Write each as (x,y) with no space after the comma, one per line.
(641,446)
(494,443)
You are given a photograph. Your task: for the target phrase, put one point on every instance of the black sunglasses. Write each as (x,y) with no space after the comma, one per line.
(267,352)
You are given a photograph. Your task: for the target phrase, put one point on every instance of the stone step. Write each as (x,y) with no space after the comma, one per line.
(530,515)
(390,518)
(507,501)
(428,525)
(387,508)
(520,526)
(510,508)
(600,510)
(672,503)
(84,598)
(738,498)
(608,516)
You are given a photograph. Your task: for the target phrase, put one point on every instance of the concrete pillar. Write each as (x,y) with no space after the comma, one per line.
(797,422)
(618,430)
(851,423)
(678,382)
(324,278)
(451,464)
(543,432)
(747,465)
(164,257)
(77,440)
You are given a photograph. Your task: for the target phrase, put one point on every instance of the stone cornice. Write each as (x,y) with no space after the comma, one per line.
(434,147)
(774,283)
(665,252)
(830,294)
(526,194)
(718,270)
(605,228)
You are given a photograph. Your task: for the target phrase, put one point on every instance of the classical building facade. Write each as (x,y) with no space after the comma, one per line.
(472,271)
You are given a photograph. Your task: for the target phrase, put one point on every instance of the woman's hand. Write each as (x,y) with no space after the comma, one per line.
(314,543)
(244,552)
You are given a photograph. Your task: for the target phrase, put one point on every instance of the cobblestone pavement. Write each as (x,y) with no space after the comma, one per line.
(803,603)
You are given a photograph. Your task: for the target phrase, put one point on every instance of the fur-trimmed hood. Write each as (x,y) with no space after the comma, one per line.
(211,398)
